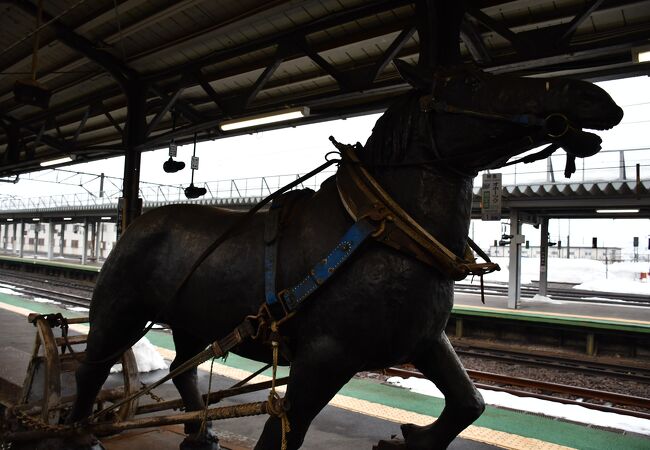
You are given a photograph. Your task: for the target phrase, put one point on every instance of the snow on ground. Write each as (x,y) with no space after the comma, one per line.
(586,274)
(45,300)
(146,356)
(10,290)
(574,413)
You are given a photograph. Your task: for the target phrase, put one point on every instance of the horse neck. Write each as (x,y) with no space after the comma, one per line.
(440,204)
(438,200)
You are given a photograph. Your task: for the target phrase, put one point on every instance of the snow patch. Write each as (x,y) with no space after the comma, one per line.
(585,274)
(10,290)
(146,356)
(45,300)
(574,413)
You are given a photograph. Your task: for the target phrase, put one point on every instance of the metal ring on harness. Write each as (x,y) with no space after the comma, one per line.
(556,125)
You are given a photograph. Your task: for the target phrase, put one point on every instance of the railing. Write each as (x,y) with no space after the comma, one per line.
(607,165)
(223,189)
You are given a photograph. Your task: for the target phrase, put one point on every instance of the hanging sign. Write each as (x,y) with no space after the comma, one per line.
(194,165)
(491,197)
(173,149)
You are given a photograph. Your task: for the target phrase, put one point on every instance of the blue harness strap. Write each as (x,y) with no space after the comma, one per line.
(294,296)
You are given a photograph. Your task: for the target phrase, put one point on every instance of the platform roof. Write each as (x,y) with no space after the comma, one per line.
(208,61)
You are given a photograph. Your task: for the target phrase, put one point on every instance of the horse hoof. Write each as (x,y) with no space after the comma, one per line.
(393,444)
(206,441)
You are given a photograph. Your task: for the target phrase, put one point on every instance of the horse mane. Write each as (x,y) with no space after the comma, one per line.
(394,131)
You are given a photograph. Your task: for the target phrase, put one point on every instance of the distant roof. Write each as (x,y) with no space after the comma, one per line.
(213,60)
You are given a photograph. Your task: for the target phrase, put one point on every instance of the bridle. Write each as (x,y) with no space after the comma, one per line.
(554,125)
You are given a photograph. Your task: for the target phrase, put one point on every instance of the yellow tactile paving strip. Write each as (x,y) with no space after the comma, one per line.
(475,433)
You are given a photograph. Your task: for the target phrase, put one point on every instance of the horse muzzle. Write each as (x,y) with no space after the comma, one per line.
(573,139)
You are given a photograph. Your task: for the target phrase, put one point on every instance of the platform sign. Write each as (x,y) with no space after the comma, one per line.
(194,165)
(491,197)
(173,149)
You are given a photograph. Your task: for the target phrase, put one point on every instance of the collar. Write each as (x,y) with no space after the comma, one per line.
(364,198)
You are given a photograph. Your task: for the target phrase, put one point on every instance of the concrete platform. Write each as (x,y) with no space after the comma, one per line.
(334,428)
(363,412)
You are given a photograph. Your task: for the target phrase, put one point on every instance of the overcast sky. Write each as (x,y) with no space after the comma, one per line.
(298,150)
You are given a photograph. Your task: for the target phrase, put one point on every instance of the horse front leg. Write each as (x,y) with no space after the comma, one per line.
(463,402)
(312,384)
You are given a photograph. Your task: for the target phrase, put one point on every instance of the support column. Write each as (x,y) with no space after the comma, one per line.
(14,237)
(543,257)
(98,239)
(62,240)
(93,237)
(134,135)
(50,240)
(37,229)
(21,238)
(514,280)
(5,235)
(84,244)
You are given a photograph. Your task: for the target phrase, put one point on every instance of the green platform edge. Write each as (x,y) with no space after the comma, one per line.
(528,425)
(538,317)
(45,262)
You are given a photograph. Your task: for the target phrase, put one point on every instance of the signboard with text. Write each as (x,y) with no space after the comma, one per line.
(491,197)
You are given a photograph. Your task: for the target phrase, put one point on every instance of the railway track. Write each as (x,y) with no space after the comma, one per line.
(532,388)
(576,295)
(557,361)
(64,298)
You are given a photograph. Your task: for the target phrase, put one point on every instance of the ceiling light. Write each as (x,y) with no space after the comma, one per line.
(67,218)
(53,162)
(36,219)
(641,54)
(262,119)
(106,218)
(10,220)
(617,211)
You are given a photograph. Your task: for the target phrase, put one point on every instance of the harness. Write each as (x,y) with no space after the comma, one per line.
(376,215)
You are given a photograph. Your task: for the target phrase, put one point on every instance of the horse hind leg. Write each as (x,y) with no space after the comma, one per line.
(109,334)
(186,383)
(463,403)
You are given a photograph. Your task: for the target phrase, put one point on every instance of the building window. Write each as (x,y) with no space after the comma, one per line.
(74,243)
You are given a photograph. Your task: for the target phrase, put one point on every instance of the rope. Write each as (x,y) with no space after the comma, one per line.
(204,420)
(275,402)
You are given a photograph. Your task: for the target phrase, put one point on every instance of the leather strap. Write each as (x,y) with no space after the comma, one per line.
(363,198)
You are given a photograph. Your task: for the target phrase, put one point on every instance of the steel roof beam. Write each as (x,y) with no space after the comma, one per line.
(168,104)
(474,42)
(572,26)
(115,67)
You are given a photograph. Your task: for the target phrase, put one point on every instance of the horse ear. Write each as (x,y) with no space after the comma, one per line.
(413,75)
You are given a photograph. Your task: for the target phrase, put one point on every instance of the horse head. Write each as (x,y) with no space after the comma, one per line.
(478,120)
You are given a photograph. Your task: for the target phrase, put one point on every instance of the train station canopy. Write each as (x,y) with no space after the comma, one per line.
(199,66)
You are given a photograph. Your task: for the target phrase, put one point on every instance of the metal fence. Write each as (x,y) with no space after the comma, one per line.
(607,165)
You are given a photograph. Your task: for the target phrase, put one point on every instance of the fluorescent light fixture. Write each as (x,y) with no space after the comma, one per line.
(617,211)
(106,218)
(263,119)
(54,162)
(67,218)
(641,54)
(10,220)
(36,219)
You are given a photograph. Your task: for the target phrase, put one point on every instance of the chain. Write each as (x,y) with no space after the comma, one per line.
(32,423)
(152,395)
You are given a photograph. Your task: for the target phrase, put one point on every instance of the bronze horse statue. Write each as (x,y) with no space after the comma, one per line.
(383,307)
